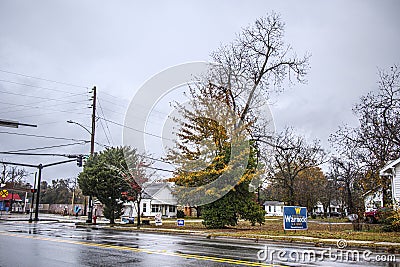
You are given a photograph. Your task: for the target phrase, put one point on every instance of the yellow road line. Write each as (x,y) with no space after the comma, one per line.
(142,250)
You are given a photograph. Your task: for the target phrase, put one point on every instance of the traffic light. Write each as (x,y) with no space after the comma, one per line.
(33,190)
(79,161)
(85,158)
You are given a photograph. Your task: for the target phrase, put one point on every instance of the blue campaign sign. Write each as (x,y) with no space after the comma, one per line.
(181,222)
(294,218)
(77,209)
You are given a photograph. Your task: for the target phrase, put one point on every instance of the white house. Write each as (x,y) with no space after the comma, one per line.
(157,198)
(392,170)
(373,199)
(273,208)
(334,206)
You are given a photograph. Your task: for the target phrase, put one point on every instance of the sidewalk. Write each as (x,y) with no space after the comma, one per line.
(43,217)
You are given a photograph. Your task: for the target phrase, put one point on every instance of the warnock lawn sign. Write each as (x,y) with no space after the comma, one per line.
(294,218)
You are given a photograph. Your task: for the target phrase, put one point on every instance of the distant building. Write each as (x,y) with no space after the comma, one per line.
(335,208)
(273,208)
(11,202)
(157,198)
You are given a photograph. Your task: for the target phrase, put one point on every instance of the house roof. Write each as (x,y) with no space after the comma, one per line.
(273,203)
(387,169)
(152,189)
(11,196)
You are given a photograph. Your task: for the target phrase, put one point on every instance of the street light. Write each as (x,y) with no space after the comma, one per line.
(77,123)
(92,132)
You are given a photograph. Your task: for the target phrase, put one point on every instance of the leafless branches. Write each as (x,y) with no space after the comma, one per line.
(292,154)
(377,139)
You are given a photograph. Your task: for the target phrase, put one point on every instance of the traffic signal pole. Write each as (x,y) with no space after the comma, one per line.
(33,199)
(40,167)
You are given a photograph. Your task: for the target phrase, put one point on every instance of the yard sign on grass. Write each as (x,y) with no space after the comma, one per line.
(294,218)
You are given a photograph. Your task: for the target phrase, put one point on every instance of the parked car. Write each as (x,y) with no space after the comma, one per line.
(377,215)
(371,216)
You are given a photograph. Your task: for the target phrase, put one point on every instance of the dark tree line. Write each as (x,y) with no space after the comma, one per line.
(60,191)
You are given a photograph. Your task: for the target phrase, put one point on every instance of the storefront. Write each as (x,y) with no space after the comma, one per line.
(12,202)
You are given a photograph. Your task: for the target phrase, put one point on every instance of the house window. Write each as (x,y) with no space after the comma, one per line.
(155,208)
(171,208)
(269,208)
(274,208)
(144,207)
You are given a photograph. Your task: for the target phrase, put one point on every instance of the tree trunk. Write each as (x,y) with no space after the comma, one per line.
(138,215)
(291,196)
(350,204)
(112,211)
(198,211)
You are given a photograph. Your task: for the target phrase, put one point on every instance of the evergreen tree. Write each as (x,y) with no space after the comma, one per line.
(102,178)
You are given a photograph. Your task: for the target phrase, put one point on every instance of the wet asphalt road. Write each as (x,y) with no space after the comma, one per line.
(62,244)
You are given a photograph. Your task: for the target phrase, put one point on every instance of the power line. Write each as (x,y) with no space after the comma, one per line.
(43,79)
(106,123)
(30,106)
(63,111)
(44,136)
(43,101)
(38,97)
(114,103)
(159,160)
(35,154)
(116,112)
(104,131)
(27,107)
(116,97)
(36,86)
(47,147)
(158,169)
(136,130)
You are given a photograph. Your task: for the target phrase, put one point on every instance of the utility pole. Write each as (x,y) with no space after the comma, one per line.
(3,180)
(90,212)
(93,121)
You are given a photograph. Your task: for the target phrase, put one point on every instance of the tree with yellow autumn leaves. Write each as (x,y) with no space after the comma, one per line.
(221,134)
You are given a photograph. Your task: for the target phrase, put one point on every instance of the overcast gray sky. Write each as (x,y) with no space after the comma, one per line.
(118,45)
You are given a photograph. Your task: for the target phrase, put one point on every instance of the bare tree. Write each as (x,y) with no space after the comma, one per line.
(385,103)
(256,63)
(349,173)
(293,155)
(377,138)
(12,174)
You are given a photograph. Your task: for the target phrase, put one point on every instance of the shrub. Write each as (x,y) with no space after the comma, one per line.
(391,220)
(180,214)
